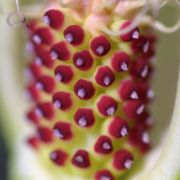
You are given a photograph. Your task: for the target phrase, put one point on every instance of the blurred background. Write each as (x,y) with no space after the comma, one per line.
(165,82)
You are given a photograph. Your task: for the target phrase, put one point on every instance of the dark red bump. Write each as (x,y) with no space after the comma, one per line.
(128,90)
(44,110)
(81,159)
(59,157)
(62,100)
(142,45)
(60,51)
(45,83)
(104,175)
(45,134)
(33,142)
(64,73)
(63,131)
(43,58)
(100,45)
(83,60)
(54,18)
(42,36)
(33,92)
(84,117)
(84,89)
(122,160)
(118,127)
(132,35)
(141,69)
(103,145)
(120,61)
(133,109)
(74,35)
(104,76)
(138,136)
(107,106)
(32,117)
(35,70)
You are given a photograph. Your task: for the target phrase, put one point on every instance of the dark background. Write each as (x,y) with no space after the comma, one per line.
(3,159)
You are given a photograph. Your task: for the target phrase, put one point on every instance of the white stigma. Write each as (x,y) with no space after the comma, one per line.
(59,77)
(38,112)
(134,95)
(53,155)
(124,131)
(82,121)
(81,93)
(106,146)
(140,109)
(54,55)
(124,66)
(69,37)
(79,159)
(128,164)
(100,50)
(38,61)
(135,35)
(46,20)
(79,62)
(150,94)
(145,138)
(146,47)
(105,178)
(39,86)
(58,133)
(144,72)
(107,80)
(110,111)
(37,39)
(57,104)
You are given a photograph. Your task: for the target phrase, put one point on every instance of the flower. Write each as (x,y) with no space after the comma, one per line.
(82,94)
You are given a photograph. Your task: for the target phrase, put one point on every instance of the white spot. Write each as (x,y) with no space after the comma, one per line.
(100,50)
(38,112)
(105,178)
(124,131)
(54,55)
(38,61)
(79,61)
(59,77)
(39,86)
(140,109)
(82,121)
(37,39)
(79,159)
(124,66)
(128,164)
(81,93)
(145,138)
(53,156)
(46,20)
(150,94)
(134,95)
(110,111)
(146,47)
(135,35)
(107,80)
(57,104)
(58,133)
(106,146)
(144,72)
(69,37)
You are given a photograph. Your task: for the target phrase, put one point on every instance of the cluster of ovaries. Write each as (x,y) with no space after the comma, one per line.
(89,95)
